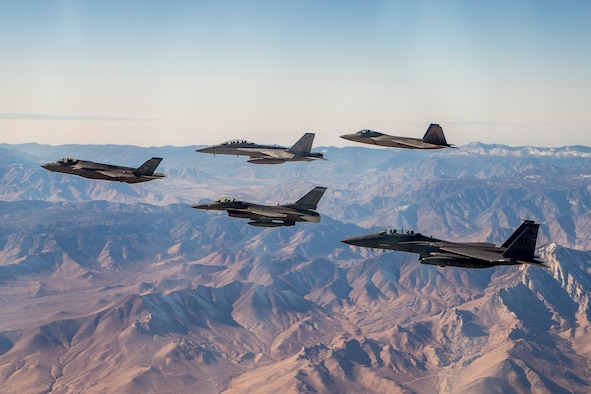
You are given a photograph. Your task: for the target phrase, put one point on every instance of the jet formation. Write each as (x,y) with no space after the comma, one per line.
(303,210)
(108,172)
(517,249)
(267,154)
(433,139)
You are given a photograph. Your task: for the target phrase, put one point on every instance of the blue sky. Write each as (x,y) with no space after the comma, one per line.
(158,73)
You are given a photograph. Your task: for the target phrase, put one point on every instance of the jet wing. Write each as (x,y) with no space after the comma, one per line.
(86,167)
(110,174)
(100,168)
(480,244)
(400,142)
(268,214)
(267,153)
(487,255)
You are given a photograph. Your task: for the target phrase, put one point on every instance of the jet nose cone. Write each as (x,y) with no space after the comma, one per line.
(348,136)
(356,241)
(366,241)
(205,149)
(200,206)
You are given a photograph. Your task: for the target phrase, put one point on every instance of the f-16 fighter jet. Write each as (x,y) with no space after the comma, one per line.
(518,249)
(267,154)
(108,172)
(303,210)
(433,139)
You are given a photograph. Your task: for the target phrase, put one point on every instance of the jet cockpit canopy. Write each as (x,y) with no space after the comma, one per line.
(394,231)
(67,160)
(238,142)
(226,199)
(368,132)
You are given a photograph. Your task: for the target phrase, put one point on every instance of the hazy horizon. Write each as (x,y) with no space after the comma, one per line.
(199,73)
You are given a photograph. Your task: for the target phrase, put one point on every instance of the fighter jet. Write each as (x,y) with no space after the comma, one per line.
(433,139)
(303,210)
(108,172)
(517,249)
(267,154)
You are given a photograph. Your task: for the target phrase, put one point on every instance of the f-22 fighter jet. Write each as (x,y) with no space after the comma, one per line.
(267,154)
(108,172)
(303,210)
(433,139)
(517,249)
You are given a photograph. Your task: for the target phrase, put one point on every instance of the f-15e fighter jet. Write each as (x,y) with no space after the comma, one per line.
(517,249)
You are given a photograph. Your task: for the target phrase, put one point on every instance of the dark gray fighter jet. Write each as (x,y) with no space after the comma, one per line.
(267,154)
(518,249)
(108,172)
(303,210)
(433,139)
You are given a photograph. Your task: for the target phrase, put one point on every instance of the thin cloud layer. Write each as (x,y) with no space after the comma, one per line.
(17,116)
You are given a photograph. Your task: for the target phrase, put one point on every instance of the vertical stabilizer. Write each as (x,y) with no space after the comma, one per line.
(304,144)
(434,135)
(523,242)
(310,200)
(516,233)
(148,167)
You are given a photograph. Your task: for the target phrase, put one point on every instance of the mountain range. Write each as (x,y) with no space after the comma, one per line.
(108,287)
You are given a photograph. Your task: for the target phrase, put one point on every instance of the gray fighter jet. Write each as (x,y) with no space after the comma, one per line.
(109,172)
(267,154)
(433,139)
(517,249)
(303,210)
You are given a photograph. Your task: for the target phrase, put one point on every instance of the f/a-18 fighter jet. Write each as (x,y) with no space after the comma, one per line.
(267,154)
(303,210)
(108,172)
(517,249)
(433,139)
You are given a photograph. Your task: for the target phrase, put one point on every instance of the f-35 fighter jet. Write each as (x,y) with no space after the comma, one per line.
(108,172)
(267,154)
(433,139)
(303,210)
(517,249)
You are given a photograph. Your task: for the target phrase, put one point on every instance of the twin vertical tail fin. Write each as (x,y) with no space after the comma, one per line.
(522,243)
(434,135)
(148,167)
(310,200)
(304,144)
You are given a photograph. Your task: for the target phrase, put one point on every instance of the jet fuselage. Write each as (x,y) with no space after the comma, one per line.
(267,154)
(518,249)
(433,139)
(303,210)
(109,172)
(377,138)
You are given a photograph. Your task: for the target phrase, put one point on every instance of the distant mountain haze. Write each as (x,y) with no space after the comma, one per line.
(109,287)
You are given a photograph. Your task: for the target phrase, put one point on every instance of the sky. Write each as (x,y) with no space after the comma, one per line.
(155,73)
